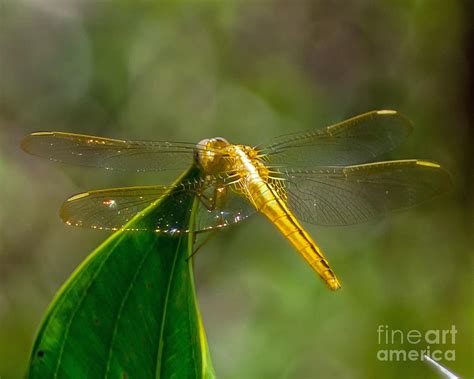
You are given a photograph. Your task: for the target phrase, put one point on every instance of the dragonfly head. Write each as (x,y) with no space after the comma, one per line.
(209,154)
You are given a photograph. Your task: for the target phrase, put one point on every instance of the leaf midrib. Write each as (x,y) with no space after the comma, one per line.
(122,304)
(165,312)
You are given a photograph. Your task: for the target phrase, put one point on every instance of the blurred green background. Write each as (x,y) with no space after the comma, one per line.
(247,71)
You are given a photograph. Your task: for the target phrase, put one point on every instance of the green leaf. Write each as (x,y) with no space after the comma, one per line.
(130,309)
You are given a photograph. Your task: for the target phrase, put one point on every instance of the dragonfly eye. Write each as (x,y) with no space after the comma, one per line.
(207,153)
(213,143)
(222,142)
(203,143)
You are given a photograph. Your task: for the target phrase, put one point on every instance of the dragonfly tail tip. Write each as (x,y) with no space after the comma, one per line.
(333,284)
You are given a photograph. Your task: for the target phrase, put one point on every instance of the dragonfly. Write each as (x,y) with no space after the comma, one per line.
(324,176)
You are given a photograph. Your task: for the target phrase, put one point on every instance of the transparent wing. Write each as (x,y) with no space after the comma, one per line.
(357,140)
(354,194)
(112,209)
(109,153)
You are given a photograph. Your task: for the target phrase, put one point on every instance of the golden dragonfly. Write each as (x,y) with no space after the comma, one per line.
(321,176)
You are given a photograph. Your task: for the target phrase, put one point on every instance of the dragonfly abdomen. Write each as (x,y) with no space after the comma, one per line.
(268,202)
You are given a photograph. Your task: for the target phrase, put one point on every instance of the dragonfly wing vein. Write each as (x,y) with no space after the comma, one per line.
(354,194)
(112,209)
(110,153)
(357,140)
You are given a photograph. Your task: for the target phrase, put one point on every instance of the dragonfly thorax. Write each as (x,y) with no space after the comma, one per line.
(210,153)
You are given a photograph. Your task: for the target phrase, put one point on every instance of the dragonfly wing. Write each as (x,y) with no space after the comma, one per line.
(357,140)
(112,209)
(354,194)
(109,153)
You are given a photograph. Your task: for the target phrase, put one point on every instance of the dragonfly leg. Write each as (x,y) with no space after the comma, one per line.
(211,203)
(208,202)
(210,235)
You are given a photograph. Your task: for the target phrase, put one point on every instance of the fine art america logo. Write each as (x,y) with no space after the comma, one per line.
(437,344)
